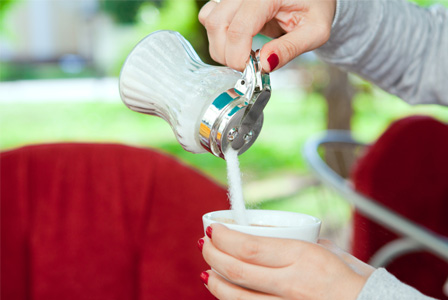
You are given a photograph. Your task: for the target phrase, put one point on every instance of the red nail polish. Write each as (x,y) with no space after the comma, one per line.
(201,244)
(273,61)
(204,277)
(208,232)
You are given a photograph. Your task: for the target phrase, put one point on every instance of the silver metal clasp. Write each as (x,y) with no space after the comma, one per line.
(256,88)
(235,117)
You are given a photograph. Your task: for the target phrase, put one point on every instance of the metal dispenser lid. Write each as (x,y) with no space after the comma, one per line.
(235,117)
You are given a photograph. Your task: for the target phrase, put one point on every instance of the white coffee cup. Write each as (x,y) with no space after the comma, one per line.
(269,223)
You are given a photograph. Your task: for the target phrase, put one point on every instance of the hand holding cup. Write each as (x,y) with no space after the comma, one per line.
(245,266)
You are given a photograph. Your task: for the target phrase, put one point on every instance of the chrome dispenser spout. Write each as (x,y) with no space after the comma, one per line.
(235,117)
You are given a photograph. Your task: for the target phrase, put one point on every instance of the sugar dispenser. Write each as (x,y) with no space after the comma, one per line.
(209,108)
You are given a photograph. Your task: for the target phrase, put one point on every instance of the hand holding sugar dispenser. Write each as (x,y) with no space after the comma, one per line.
(209,108)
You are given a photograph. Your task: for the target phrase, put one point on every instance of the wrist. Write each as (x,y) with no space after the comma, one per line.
(349,287)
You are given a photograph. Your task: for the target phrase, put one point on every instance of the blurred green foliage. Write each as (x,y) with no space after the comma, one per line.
(289,120)
(20,71)
(173,15)
(291,116)
(4,5)
(123,11)
(136,19)
(28,123)
(427,3)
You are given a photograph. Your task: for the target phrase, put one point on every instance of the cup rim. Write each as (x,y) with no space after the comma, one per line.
(315,221)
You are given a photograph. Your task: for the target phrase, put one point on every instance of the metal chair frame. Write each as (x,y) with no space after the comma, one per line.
(414,236)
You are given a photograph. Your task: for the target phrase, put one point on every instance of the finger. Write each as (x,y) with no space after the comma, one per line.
(262,251)
(259,278)
(282,50)
(217,23)
(205,11)
(212,32)
(225,290)
(249,20)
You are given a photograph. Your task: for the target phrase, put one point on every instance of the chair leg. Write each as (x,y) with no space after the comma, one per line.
(392,250)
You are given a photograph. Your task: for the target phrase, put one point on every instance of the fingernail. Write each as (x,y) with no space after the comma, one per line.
(204,277)
(208,232)
(201,244)
(273,61)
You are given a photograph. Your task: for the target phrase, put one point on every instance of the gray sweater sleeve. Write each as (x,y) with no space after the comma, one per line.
(395,44)
(381,285)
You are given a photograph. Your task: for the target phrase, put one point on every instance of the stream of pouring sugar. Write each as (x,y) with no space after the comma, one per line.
(235,187)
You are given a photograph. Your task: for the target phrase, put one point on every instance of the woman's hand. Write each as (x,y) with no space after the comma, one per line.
(297,26)
(269,268)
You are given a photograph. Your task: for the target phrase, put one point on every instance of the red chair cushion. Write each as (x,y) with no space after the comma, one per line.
(102,221)
(407,171)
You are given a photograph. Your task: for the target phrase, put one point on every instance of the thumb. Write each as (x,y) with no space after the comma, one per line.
(278,52)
